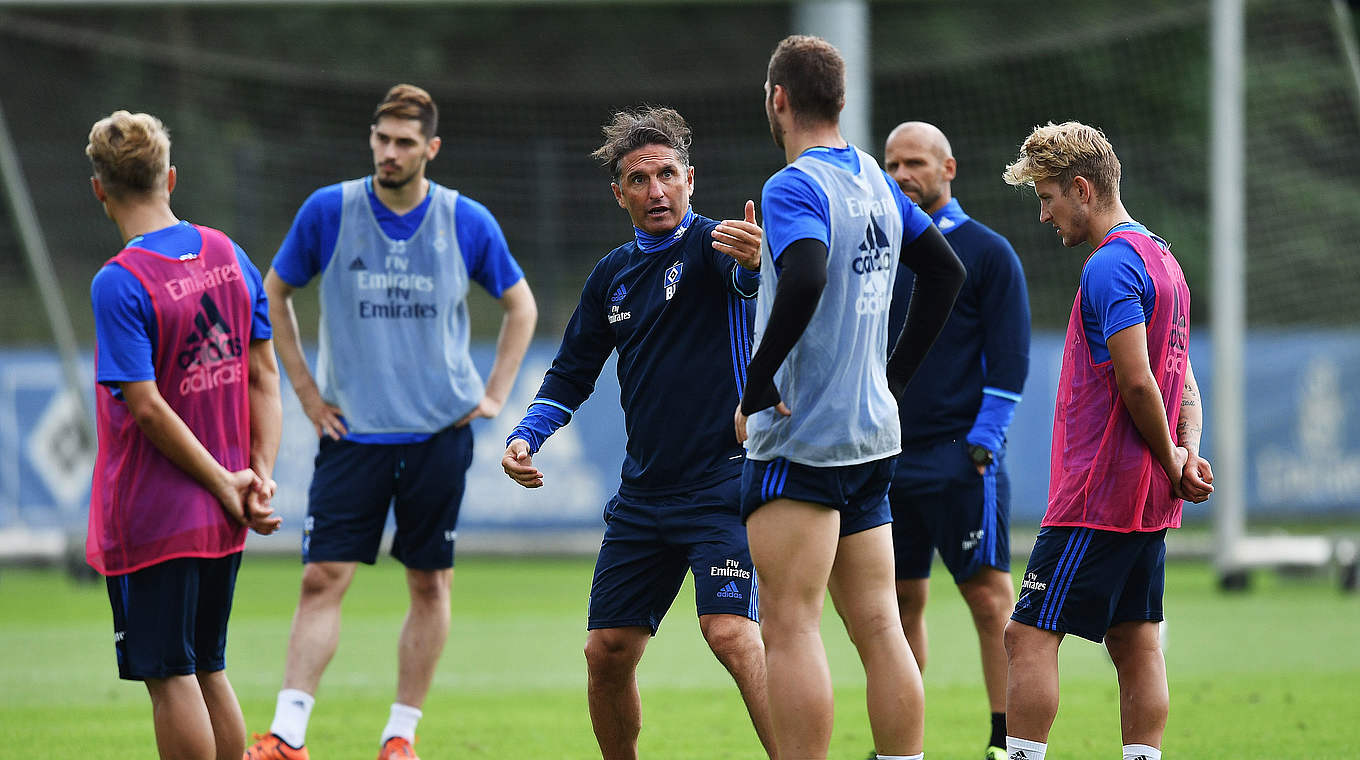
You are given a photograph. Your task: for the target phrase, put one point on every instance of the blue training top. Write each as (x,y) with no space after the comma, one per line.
(125,321)
(982,354)
(682,330)
(1116,291)
(311,241)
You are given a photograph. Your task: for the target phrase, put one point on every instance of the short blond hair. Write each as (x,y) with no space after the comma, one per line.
(130,152)
(1064,152)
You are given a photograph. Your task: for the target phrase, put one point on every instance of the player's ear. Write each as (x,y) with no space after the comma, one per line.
(618,195)
(97,188)
(171,177)
(951,169)
(1081,188)
(432,148)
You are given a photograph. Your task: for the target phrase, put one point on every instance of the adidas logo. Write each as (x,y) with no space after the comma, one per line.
(874,237)
(357,266)
(730,591)
(619,294)
(1019,754)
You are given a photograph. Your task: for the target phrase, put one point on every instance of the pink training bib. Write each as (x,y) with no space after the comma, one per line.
(1102,473)
(143,508)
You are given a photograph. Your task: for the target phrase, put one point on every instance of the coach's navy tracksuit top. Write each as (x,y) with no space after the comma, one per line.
(682,330)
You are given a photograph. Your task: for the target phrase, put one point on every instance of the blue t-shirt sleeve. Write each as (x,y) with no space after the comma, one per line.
(1115,285)
(914,219)
(307,249)
(795,208)
(485,251)
(260,329)
(124,327)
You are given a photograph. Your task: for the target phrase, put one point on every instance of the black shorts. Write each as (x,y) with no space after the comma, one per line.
(354,484)
(858,491)
(941,503)
(170,619)
(650,543)
(1083,580)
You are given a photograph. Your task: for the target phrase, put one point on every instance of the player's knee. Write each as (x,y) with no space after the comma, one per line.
(429,586)
(867,627)
(989,603)
(730,636)
(1014,639)
(325,579)
(609,651)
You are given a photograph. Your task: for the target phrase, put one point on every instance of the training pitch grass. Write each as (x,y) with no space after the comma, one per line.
(1274,672)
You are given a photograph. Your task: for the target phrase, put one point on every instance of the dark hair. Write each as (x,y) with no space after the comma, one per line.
(649,125)
(406,101)
(812,72)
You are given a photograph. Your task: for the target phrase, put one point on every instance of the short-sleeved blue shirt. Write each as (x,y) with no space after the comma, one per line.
(311,240)
(1116,292)
(125,321)
(796,208)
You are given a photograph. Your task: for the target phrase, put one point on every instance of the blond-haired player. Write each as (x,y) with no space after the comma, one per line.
(1125,453)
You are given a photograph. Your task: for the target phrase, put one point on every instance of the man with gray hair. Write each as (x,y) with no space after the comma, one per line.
(675,303)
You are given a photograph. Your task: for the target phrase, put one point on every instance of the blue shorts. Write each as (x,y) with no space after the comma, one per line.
(939,502)
(170,619)
(858,491)
(1083,581)
(355,483)
(650,543)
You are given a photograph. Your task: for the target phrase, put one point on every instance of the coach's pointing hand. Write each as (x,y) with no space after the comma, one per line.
(740,239)
(519,464)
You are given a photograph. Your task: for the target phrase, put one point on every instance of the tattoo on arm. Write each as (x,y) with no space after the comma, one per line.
(1191,395)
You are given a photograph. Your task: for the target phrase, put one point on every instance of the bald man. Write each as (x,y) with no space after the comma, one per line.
(951,492)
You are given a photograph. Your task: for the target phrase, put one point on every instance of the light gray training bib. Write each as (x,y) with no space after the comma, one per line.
(835,378)
(394,323)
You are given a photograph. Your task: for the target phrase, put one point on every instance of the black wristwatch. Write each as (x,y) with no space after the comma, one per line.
(980,455)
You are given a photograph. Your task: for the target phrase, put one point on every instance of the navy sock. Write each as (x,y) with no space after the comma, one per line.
(998,730)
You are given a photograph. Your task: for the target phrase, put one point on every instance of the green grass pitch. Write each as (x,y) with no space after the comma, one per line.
(1270,673)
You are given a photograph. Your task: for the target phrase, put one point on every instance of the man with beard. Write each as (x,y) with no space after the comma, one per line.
(394,391)
(820,406)
(951,491)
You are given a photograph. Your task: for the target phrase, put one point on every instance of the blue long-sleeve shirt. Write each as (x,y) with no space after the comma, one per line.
(984,347)
(682,328)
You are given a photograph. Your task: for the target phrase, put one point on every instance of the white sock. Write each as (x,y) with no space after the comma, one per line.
(1141,752)
(291,714)
(401,723)
(920,756)
(1024,749)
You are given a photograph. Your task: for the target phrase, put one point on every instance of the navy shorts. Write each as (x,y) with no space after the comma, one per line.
(170,619)
(939,502)
(858,491)
(650,543)
(355,483)
(1083,581)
